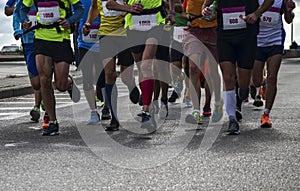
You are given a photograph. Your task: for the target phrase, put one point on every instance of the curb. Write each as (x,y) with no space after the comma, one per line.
(25,89)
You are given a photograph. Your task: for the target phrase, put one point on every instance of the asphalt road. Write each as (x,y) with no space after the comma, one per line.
(174,158)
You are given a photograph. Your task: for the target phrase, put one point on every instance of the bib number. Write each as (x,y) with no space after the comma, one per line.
(143,22)
(111,13)
(178,34)
(92,37)
(270,17)
(233,18)
(48,11)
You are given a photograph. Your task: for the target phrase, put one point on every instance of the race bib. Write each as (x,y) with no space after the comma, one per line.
(111,13)
(143,22)
(32,17)
(270,17)
(178,34)
(48,11)
(233,18)
(92,37)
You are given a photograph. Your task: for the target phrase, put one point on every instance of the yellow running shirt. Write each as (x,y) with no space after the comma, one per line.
(112,22)
(51,34)
(148,4)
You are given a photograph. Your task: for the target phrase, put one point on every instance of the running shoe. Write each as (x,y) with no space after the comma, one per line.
(46,121)
(95,118)
(206,111)
(73,91)
(51,130)
(252,91)
(105,113)
(147,122)
(262,92)
(35,114)
(163,111)
(134,95)
(265,121)
(234,128)
(258,102)
(217,113)
(113,126)
(194,118)
(173,97)
(101,104)
(188,103)
(238,114)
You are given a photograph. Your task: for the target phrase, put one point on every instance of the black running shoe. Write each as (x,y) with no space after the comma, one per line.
(35,114)
(238,115)
(233,128)
(51,130)
(173,97)
(134,95)
(113,126)
(105,113)
(73,91)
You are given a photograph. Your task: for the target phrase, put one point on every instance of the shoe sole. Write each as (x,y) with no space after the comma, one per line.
(265,125)
(233,132)
(51,134)
(75,91)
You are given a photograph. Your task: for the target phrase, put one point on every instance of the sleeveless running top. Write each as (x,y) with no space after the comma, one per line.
(271,31)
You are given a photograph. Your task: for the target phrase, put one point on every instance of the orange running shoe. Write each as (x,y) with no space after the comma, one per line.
(46,121)
(262,92)
(265,121)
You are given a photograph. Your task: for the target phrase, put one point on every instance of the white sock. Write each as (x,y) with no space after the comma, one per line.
(230,103)
(257,91)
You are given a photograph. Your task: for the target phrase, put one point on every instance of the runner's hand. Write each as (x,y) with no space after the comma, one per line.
(251,18)
(64,23)
(86,29)
(26,25)
(290,5)
(136,8)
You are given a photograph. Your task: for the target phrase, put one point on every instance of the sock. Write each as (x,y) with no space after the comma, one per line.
(267,111)
(112,94)
(147,87)
(230,103)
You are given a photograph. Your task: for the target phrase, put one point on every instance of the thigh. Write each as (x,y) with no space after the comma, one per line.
(246,52)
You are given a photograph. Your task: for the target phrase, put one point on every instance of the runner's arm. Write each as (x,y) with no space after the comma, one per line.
(134,8)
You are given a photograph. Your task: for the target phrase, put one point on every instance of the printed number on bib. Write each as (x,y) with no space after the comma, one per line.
(92,37)
(270,17)
(48,11)
(178,34)
(143,22)
(233,18)
(111,13)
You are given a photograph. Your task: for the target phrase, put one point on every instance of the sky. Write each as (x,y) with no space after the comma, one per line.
(6,30)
